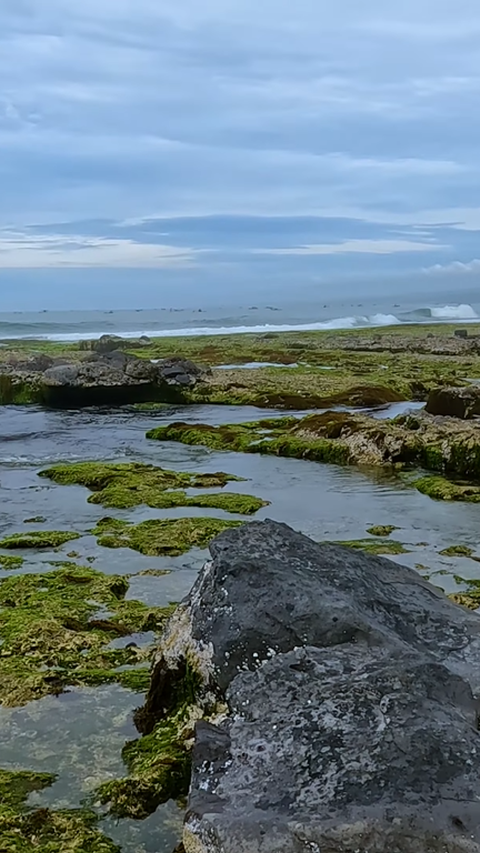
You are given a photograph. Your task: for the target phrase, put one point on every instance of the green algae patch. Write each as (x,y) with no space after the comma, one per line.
(159,762)
(441,489)
(469,598)
(130,484)
(38,539)
(375,546)
(10,563)
(457,551)
(382,530)
(161,537)
(56,629)
(28,830)
(38,519)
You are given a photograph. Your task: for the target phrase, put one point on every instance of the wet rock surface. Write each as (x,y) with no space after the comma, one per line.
(461,403)
(111,378)
(351,723)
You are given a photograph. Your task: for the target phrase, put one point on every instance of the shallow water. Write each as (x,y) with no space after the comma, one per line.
(79,735)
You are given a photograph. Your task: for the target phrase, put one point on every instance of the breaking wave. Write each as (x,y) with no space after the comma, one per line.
(59,332)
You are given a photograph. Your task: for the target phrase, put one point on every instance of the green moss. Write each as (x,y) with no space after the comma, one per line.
(161,537)
(27,830)
(38,539)
(159,763)
(375,546)
(55,631)
(382,530)
(441,489)
(126,485)
(9,563)
(457,551)
(17,393)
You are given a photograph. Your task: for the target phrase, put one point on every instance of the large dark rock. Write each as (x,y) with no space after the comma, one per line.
(113,378)
(455,402)
(110,343)
(351,723)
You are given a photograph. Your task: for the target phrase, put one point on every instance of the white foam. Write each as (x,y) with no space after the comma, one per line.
(336,323)
(454,312)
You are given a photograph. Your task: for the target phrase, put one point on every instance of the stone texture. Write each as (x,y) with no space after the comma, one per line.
(461,403)
(350,682)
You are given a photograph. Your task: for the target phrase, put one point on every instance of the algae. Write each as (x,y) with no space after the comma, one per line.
(55,631)
(375,546)
(26,830)
(127,485)
(159,762)
(457,551)
(38,539)
(38,519)
(161,537)
(382,530)
(441,489)
(9,563)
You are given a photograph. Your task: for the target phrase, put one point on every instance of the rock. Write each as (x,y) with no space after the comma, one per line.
(461,333)
(113,378)
(461,403)
(109,343)
(350,721)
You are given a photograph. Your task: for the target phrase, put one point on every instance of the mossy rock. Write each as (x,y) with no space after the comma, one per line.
(38,539)
(161,537)
(130,484)
(382,530)
(159,762)
(53,633)
(441,489)
(376,546)
(457,551)
(28,830)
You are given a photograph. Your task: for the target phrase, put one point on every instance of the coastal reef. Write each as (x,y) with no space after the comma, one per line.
(130,484)
(290,370)
(24,829)
(56,629)
(293,662)
(444,445)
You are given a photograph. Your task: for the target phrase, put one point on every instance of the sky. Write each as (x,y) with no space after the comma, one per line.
(157,151)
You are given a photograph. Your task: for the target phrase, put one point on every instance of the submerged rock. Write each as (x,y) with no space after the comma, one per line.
(455,402)
(350,722)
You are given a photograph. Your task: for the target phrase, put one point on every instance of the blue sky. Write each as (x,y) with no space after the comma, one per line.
(157,151)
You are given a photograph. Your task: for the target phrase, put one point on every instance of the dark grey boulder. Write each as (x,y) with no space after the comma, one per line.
(351,718)
(109,343)
(461,403)
(114,378)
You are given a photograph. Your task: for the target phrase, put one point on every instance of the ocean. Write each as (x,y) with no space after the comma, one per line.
(81,325)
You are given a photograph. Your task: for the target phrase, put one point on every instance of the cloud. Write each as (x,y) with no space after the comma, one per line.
(454,267)
(370,247)
(224,111)
(19,251)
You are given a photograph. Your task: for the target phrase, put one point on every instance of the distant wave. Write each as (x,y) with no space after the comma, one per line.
(41,331)
(446,312)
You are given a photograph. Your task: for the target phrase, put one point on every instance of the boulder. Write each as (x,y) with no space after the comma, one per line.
(461,333)
(337,693)
(461,403)
(109,343)
(111,378)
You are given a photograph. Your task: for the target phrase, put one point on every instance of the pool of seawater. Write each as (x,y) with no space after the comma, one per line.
(80,735)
